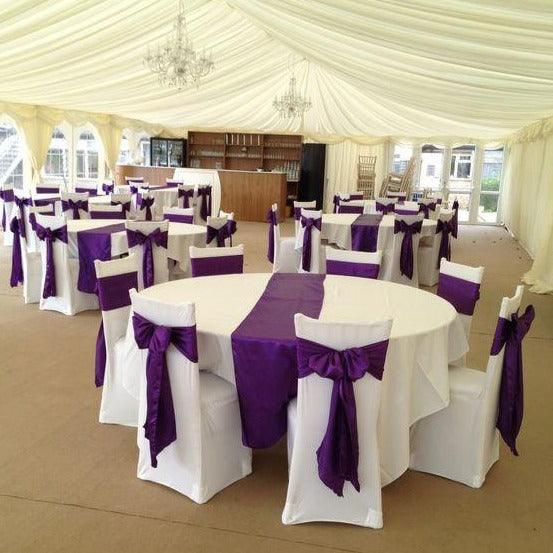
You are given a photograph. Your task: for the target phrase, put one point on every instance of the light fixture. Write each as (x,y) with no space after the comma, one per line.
(291,104)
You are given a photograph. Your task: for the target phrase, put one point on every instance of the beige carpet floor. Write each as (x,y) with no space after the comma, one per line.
(68,484)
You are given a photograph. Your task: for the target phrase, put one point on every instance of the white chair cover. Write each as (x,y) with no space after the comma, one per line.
(75,196)
(286,257)
(218,223)
(207,454)
(407,206)
(100,211)
(179,212)
(298,206)
(353,258)
(117,405)
(315,241)
(461,442)
(216,261)
(68,299)
(192,201)
(308,499)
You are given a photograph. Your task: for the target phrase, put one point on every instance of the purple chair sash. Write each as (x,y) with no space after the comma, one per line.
(125,206)
(426,208)
(264,353)
(45,201)
(160,427)
(350,208)
(172,183)
(308,223)
(108,187)
(157,238)
(338,454)
(21,203)
(83,189)
(17,227)
(187,194)
(398,195)
(217,265)
(462,294)
(50,236)
(335,201)
(446,228)
(32,218)
(133,189)
(7,196)
(511,395)
(221,234)
(406,260)
(364,232)
(350,268)
(272,219)
(113,293)
(400,211)
(204,192)
(146,204)
(455,219)
(47,190)
(177,218)
(107,214)
(385,208)
(75,206)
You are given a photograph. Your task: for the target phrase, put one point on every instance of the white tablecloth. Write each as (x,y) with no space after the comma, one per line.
(426,334)
(181,237)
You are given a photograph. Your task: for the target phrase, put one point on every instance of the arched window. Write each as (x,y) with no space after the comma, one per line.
(86,156)
(57,159)
(11,156)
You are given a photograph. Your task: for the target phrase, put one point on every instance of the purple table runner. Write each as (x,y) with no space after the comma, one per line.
(364,232)
(264,353)
(94,244)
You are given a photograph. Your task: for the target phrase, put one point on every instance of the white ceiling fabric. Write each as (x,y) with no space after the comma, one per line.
(372,68)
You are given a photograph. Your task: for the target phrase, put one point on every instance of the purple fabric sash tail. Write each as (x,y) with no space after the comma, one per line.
(338,454)
(406,261)
(204,192)
(176,218)
(108,187)
(50,236)
(93,244)
(21,203)
(511,395)
(385,208)
(146,204)
(335,201)
(264,353)
(350,268)
(364,232)
(221,234)
(125,206)
(462,294)
(426,208)
(217,265)
(75,206)
(160,427)
(133,189)
(113,293)
(446,228)
(350,209)
(47,190)
(7,196)
(157,238)
(272,219)
(187,194)
(308,223)
(17,226)
(455,219)
(107,214)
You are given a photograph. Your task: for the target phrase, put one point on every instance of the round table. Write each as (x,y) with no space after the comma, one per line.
(426,335)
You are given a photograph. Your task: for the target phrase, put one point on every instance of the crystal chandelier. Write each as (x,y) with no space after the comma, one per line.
(175,62)
(291,104)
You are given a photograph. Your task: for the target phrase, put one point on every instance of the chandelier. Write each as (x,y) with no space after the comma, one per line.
(175,62)
(291,104)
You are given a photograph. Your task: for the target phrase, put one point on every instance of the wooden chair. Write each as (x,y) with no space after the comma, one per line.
(399,182)
(366,176)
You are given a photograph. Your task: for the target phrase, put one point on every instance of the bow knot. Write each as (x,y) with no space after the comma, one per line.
(187,194)
(222,233)
(108,187)
(425,208)
(75,206)
(385,208)
(49,236)
(147,241)
(147,203)
(406,261)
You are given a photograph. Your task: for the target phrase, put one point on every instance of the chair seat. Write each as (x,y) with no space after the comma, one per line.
(218,398)
(464,381)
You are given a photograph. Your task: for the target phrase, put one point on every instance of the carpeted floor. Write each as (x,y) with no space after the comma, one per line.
(68,484)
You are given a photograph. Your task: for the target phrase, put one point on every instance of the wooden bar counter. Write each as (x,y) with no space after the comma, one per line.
(249,194)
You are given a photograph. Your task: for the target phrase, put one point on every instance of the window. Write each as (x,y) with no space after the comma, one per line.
(492,171)
(125,154)
(11,156)
(57,165)
(430,170)
(402,155)
(87,156)
(461,165)
(144,146)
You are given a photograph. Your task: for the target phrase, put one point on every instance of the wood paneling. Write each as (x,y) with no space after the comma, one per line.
(153,175)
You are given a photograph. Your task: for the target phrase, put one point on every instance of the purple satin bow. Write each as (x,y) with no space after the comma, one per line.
(446,228)
(205,208)
(160,428)
(511,394)
(338,454)
(385,208)
(17,227)
(187,194)
(21,203)
(75,206)
(272,219)
(147,203)
(425,208)
(455,219)
(158,238)
(108,188)
(221,234)
(308,223)
(406,261)
(50,236)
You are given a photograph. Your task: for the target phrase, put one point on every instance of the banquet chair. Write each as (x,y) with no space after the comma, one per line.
(173,183)
(6,198)
(228,215)
(219,231)
(406,208)
(400,197)
(60,273)
(74,205)
(86,188)
(283,254)
(298,206)
(353,206)
(187,196)
(353,263)
(106,211)
(124,199)
(147,207)
(461,442)
(216,261)
(149,240)
(47,188)
(203,203)
(385,205)
(345,197)
(196,447)
(308,241)
(22,204)
(318,488)
(434,248)
(179,214)
(428,207)
(115,279)
(401,264)
(165,197)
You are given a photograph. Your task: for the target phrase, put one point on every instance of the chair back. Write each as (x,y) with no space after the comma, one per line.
(124,199)
(67,211)
(404,258)
(353,263)
(179,215)
(147,206)
(308,239)
(217,261)
(106,211)
(298,206)
(220,231)
(406,208)
(86,188)
(353,206)
(187,195)
(47,188)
